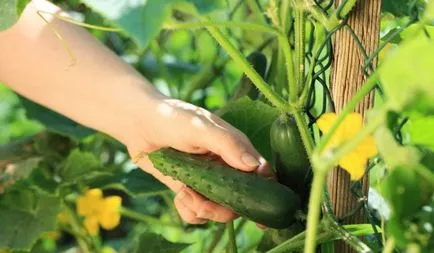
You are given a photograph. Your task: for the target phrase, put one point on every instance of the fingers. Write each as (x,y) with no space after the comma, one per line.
(195,209)
(235,151)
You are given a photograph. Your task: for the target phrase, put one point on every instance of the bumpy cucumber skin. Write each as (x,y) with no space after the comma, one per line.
(290,159)
(259,199)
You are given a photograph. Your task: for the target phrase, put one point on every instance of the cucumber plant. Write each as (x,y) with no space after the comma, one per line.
(263,66)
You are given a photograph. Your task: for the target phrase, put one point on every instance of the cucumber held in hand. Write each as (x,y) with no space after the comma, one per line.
(257,198)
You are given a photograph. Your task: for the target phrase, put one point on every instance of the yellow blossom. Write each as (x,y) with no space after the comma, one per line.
(355,161)
(99,211)
(91,224)
(109,217)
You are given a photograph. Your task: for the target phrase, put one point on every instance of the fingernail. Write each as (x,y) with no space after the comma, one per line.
(250,160)
(204,214)
(185,197)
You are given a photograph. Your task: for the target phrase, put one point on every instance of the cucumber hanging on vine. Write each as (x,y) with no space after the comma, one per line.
(290,160)
(259,199)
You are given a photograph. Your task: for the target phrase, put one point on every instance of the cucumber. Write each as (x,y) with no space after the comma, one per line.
(257,198)
(290,160)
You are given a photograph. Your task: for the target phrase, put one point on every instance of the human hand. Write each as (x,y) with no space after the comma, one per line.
(185,127)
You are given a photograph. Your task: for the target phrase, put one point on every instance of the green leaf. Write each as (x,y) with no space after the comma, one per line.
(206,6)
(142,19)
(54,121)
(77,164)
(154,243)
(10,11)
(408,81)
(420,131)
(135,183)
(23,221)
(254,119)
(398,8)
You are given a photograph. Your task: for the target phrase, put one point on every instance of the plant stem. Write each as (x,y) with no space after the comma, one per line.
(144,218)
(256,10)
(76,229)
(284,14)
(321,168)
(232,242)
(240,226)
(292,86)
(304,132)
(218,234)
(169,202)
(256,79)
(319,179)
(355,100)
(228,24)
(299,48)
(390,245)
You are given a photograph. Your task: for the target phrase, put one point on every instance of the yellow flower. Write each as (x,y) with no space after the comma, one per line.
(99,211)
(355,161)
(109,217)
(91,224)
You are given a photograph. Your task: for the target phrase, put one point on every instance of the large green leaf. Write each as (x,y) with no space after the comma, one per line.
(135,183)
(407,76)
(254,119)
(77,164)
(154,243)
(24,216)
(10,11)
(54,121)
(142,19)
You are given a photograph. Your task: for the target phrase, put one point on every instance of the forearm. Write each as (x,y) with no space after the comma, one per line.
(99,90)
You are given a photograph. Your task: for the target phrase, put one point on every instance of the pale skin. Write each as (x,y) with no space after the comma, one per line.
(104,93)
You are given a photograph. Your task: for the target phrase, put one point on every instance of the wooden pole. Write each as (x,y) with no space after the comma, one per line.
(346,78)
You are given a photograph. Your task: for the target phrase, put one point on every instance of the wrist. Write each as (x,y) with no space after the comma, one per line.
(133,116)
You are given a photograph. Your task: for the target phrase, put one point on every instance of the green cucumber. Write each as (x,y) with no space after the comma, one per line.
(290,160)
(250,195)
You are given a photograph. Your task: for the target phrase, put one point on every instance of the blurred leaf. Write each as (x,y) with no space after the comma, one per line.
(413,29)
(420,131)
(401,72)
(154,243)
(135,183)
(254,119)
(404,188)
(43,179)
(77,164)
(397,7)
(23,222)
(10,11)
(143,19)
(55,121)
(205,6)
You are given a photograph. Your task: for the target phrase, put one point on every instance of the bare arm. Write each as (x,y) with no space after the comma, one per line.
(104,93)
(35,64)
